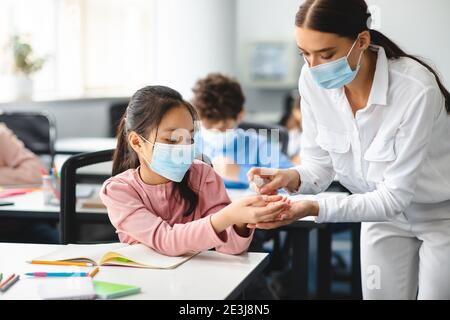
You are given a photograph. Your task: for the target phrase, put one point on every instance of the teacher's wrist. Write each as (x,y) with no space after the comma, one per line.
(294,180)
(315,208)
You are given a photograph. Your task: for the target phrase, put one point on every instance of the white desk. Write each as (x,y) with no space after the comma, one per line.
(209,275)
(80,145)
(31,205)
(99,169)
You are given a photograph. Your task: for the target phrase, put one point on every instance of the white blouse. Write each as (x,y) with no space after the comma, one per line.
(393,155)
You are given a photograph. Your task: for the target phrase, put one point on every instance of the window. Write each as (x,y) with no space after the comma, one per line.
(94,47)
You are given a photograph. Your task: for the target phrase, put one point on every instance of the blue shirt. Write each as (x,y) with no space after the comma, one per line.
(248,149)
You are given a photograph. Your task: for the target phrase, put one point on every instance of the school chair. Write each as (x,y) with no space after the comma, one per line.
(69,218)
(283,133)
(37,130)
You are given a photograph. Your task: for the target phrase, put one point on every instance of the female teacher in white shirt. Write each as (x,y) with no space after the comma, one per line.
(378,119)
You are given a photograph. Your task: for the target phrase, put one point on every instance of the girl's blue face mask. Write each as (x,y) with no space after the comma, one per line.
(335,74)
(171,161)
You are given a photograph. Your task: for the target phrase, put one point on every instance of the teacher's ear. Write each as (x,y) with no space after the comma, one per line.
(364,40)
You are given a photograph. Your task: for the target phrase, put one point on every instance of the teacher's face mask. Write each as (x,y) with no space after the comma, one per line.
(171,161)
(335,74)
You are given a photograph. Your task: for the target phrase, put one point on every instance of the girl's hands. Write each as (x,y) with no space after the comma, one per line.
(253,210)
(277,178)
(256,209)
(298,210)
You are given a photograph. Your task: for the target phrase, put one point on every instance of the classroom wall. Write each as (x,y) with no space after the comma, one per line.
(74,118)
(188,45)
(264,20)
(420,27)
(193,38)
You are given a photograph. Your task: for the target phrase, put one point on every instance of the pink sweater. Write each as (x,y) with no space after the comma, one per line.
(151,215)
(18,165)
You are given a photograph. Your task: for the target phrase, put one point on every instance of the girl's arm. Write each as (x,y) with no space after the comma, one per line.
(135,223)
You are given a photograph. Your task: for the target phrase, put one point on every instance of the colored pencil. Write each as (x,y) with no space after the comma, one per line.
(94,272)
(63,263)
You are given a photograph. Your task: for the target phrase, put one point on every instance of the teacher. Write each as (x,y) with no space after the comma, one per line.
(377,119)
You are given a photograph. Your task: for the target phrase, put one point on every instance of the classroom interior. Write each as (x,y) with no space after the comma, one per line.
(89,57)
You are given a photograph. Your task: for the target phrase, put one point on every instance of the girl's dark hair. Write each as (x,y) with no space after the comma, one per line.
(144,113)
(348,18)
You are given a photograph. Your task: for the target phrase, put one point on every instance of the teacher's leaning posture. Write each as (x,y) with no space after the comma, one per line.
(378,119)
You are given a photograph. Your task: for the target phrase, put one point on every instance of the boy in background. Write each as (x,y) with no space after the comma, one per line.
(220,103)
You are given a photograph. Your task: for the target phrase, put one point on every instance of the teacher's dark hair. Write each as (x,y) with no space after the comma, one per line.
(348,18)
(144,113)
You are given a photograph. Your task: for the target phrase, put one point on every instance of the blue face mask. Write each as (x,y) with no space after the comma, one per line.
(171,161)
(335,74)
(223,140)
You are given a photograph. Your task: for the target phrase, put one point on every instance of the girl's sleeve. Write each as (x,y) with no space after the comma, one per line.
(212,198)
(137,224)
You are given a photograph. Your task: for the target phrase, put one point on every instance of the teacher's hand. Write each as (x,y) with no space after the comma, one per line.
(298,210)
(278,178)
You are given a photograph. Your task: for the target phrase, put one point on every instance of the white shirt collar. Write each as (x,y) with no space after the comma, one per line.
(380,85)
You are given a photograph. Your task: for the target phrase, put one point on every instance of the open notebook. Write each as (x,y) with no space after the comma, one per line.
(117,254)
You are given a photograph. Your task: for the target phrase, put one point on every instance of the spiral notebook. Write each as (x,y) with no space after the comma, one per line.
(116,254)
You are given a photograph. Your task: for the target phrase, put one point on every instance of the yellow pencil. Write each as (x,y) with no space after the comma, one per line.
(94,272)
(63,263)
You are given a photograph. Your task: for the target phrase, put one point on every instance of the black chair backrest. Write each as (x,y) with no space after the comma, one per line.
(283,133)
(116,111)
(37,130)
(68,218)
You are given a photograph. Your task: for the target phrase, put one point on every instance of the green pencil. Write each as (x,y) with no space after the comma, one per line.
(1,276)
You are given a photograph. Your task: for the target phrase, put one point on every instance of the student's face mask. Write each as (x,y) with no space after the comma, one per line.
(223,140)
(335,74)
(171,161)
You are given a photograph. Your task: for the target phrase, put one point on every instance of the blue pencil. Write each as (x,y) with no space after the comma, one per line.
(57,274)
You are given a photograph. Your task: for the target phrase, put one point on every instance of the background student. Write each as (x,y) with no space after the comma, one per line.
(292,120)
(220,102)
(19,166)
(161,197)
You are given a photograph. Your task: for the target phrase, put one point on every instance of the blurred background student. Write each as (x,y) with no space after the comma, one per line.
(292,120)
(220,102)
(20,167)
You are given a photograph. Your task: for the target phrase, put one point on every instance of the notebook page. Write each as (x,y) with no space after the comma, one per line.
(144,255)
(92,252)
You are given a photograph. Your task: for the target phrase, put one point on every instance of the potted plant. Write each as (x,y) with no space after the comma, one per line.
(25,64)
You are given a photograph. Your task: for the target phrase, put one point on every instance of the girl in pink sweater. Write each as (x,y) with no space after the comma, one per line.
(161,197)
